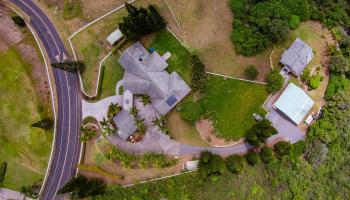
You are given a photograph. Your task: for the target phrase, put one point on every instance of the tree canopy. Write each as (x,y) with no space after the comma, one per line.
(141,21)
(259,132)
(274,81)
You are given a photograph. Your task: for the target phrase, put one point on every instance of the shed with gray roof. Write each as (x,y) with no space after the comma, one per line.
(297,57)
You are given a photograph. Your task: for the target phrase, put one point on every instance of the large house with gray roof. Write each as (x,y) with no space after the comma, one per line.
(145,74)
(297,57)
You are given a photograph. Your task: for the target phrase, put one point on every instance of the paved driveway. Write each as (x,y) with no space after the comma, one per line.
(286,129)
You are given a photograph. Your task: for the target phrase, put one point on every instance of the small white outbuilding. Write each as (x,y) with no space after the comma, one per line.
(114,37)
(294,103)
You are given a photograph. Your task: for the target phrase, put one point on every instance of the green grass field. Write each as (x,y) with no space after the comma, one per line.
(113,72)
(231,104)
(25,149)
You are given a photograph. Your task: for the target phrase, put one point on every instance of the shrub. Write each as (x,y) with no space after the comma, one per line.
(315,81)
(71,9)
(3,168)
(278,30)
(19,21)
(282,148)
(70,66)
(154,160)
(199,76)
(344,45)
(248,41)
(274,81)
(323,130)
(210,164)
(297,149)
(86,133)
(190,111)
(113,110)
(294,22)
(252,158)
(339,65)
(251,72)
(336,83)
(45,124)
(235,163)
(315,152)
(266,154)
(259,132)
(305,77)
(84,187)
(238,7)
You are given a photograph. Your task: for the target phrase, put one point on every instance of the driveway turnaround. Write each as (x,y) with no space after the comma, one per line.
(66,151)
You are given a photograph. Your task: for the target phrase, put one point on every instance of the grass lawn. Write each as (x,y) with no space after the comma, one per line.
(113,72)
(25,149)
(231,104)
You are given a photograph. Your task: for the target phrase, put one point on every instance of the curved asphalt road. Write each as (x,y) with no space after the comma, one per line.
(65,155)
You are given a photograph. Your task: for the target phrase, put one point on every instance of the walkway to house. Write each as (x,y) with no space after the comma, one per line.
(98,109)
(7,194)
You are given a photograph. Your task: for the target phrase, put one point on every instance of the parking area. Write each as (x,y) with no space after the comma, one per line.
(286,129)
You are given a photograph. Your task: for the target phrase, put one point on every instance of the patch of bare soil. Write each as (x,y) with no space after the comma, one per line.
(206,130)
(11,35)
(38,71)
(9,31)
(206,26)
(3,46)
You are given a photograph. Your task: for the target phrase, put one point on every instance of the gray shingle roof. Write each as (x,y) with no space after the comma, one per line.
(144,74)
(125,123)
(297,56)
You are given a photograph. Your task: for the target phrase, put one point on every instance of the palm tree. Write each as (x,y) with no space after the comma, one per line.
(145,99)
(134,111)
(141,125)
(157,122)
(104,123)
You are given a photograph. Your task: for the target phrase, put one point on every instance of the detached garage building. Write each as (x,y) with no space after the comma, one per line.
(294,103)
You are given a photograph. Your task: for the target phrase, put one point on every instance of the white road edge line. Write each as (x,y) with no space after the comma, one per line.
(69,130)
(52,97)
(48,30)
(59,152)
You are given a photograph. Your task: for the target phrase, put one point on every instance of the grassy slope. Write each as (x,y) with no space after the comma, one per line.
(232,103)
(113,72)
(25,149)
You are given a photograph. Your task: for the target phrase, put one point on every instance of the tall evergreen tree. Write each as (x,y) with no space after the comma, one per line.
(141,22)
